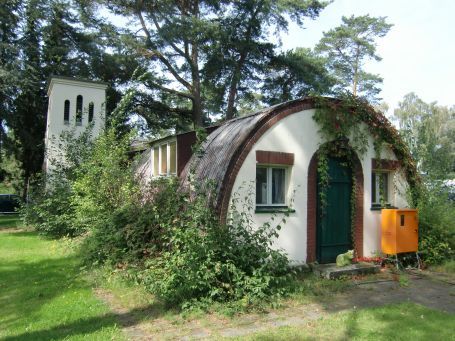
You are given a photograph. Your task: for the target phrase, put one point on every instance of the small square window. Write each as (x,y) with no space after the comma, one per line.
(270,186)
(379,189)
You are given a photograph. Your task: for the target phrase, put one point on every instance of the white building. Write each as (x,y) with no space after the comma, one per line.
(271,157)
(74,105)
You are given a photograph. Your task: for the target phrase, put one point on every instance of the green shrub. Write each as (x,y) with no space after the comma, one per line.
(104,182)
(135,230)
(436,224)
(51,212)
(170,239)
(208,262)
(50,207)
(173,238)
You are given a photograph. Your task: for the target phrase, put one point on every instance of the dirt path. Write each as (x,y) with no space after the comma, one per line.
(429,291)
(131,325)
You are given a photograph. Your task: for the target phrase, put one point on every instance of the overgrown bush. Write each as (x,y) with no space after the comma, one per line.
(135,230)
(208,262)
(51,211)
(104,182)
(436,224)
(172,238)
(50,207)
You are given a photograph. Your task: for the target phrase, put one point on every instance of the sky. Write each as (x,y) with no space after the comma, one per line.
(418,52)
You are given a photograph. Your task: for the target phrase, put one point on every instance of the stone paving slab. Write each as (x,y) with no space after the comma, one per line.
(332,271)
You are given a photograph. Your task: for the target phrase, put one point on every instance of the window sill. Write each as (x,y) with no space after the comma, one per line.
(273,209)
(379,207)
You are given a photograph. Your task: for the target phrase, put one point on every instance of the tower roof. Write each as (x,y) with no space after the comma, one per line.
(75,81)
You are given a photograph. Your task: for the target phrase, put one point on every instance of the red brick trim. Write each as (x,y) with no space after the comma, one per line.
(270,116)
(312,209)
(274,158)
(278,113)
(384,164)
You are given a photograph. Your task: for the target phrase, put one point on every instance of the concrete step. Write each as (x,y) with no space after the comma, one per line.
(332,271)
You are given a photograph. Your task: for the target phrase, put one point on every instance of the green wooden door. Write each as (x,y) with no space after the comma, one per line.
(334,221)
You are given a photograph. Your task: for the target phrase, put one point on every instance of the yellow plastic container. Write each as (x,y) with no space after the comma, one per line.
(399,231)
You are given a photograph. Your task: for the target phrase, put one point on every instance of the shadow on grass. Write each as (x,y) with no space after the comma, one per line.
(20,232)
(85,326)
(33,280)
(8,221)
(26,285)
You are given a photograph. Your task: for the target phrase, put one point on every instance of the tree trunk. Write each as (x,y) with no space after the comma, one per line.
(356,72)
(196,88)
(233,93)
(197,109)
(234,85)
(25,186)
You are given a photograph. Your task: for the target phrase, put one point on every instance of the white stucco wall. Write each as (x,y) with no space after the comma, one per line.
(68,89)
(298,134)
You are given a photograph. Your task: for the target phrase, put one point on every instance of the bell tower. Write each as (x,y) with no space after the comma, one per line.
(74,105)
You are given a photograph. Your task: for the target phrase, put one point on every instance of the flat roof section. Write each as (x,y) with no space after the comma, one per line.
(75,81)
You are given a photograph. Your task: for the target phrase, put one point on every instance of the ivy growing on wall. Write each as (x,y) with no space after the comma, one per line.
(345,125)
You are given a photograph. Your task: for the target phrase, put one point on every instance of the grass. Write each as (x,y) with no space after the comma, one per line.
(43,295)
(446,267)
(10,221)
(405,321)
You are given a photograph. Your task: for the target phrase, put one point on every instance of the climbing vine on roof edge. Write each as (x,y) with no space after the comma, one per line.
(345,123)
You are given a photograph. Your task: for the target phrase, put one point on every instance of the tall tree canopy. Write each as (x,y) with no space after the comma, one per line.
(296,73)
(28,119)
(429,130)
(348,46)
(194,58)
(40,39)
(9,21)
(203,57)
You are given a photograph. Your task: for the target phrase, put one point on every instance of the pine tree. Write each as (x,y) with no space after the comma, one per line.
(27,121)
(296,73)
(348,46)
(203,57)
(9,20)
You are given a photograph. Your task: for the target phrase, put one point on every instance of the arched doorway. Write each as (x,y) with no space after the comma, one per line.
(324,247)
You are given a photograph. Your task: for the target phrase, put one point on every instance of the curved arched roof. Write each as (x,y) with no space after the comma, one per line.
(225,149)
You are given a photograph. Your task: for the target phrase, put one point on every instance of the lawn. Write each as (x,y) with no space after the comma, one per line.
(43,295)
(406,321)
(447,267)
(10,221)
